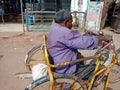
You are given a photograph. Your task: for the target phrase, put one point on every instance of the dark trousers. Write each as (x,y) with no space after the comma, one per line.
(87,72)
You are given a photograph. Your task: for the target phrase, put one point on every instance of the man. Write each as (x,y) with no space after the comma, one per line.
(116,23)
(63,42)
(107,4)
(1,9)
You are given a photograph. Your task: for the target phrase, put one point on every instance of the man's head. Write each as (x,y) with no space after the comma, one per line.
(64,18)
(117,1)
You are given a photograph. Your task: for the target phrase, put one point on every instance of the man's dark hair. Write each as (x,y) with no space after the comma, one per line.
(62,15)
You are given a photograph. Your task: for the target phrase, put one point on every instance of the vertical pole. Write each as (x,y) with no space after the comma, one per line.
(26,16)
(31,5)
(22,15)
(55,5)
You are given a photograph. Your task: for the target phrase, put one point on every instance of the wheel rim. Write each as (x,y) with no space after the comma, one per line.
(60,85)
(34,57)
(61,82)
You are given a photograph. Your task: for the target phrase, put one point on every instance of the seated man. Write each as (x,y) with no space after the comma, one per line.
(1,10)
(116,23)
(63,42)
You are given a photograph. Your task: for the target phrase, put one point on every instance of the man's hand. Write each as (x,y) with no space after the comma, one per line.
(89,33)
(106,38)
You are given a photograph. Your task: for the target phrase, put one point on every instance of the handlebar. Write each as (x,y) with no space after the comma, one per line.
(104,47)
(94,33)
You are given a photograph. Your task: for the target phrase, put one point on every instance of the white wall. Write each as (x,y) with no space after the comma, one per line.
(76,7)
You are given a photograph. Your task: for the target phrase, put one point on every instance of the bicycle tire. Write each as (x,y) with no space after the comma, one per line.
(33,57)
(115,73)
(43,83)
(101,84)
(118,56)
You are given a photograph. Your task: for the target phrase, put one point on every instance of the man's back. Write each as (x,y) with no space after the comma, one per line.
(58,48)
(63,43)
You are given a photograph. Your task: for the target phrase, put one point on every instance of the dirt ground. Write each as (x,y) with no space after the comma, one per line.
(14,46)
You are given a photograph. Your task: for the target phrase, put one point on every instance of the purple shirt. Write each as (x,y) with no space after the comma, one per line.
(63,43)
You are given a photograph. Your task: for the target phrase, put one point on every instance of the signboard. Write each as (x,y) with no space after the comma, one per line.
(79,6)
(93,17)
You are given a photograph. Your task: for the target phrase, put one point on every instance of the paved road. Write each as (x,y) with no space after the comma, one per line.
(18,27)
(11,27)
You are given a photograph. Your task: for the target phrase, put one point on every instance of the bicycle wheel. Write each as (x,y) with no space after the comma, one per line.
(115,74)
(100,86)
(34,56)
(100,83)
(62,82)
